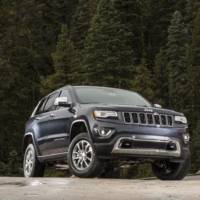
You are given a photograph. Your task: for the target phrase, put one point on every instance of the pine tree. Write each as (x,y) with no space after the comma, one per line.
(19,77)
(144,82)
(155,19)
(17,90)
(188,18)
(195,8)
(194,70)
(131,16)
(176,65)
(108,57)
(161,78)
(118,36)
(81,22)
(196,148)
(28,30)
(65,64)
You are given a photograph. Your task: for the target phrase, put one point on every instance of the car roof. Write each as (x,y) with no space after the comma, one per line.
(85,86)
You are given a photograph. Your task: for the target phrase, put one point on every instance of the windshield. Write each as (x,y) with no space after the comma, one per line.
(109,96)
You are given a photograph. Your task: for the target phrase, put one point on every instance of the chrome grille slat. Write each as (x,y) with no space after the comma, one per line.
(151,119)
(135,118)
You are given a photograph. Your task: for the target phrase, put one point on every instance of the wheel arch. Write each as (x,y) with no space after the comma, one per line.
(77,127)
(28,139)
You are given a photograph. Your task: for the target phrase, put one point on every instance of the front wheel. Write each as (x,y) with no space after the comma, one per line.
(82,159)
(32,167)
(166,170)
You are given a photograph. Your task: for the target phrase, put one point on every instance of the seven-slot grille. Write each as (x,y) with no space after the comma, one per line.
(148,118)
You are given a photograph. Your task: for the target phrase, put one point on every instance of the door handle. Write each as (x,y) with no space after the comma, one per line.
(38,118)
(52,115)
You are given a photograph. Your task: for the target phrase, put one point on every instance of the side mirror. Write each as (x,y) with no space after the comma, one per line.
(157,106)
(62,101)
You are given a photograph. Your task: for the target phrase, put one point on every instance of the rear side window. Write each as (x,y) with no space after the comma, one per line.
(49,106)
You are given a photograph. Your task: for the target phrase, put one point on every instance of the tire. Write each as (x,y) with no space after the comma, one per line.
(166,170)
(31,166)
(82,159)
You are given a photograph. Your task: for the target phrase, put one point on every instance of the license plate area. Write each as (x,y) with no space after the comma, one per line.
(134,144)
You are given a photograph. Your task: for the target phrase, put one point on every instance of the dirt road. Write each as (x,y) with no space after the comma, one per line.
(98,189)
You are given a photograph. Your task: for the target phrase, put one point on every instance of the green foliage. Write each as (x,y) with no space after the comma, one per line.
(155,19)
(12,167)
(13,163)
(195,150)
(3,168)
(15,88)
(194,69)
(131,16)
(107,51)
(144,82)
(28,32)
(176,65)
(188,18)
(144,171)
(136,171)
(161,78)
(81,22)
(120,43)
(65,64)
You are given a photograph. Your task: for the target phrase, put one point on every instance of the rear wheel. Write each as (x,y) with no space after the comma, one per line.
(82,159)
(32,167)
(166,170)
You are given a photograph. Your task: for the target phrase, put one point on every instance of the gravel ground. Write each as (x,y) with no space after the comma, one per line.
(98,189)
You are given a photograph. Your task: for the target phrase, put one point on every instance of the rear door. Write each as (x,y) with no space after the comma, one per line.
(46,128)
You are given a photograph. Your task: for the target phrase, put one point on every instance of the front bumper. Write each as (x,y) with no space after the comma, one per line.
(152,141)
(158,147)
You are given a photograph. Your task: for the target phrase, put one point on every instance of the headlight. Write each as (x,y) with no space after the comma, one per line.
(105,114)
(181,119)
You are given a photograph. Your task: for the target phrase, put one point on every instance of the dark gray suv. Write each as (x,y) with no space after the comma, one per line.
(97,128)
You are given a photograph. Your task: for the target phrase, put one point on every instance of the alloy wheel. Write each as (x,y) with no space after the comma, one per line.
(82,155)
(29,162)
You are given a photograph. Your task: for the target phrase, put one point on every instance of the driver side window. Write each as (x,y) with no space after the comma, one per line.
(65,93)
(40,106)
(49,106)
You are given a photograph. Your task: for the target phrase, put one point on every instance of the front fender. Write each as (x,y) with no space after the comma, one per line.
(30,135)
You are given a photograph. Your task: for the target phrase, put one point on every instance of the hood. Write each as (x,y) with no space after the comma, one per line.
(130,108)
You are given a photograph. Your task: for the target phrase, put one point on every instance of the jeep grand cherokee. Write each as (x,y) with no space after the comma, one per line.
(92,127)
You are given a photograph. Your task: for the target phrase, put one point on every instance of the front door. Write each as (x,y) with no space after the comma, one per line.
(60,121)
(53,125)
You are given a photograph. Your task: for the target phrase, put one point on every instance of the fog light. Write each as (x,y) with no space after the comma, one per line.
(103,131)
(186,137)
(171,146)
(125,144)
